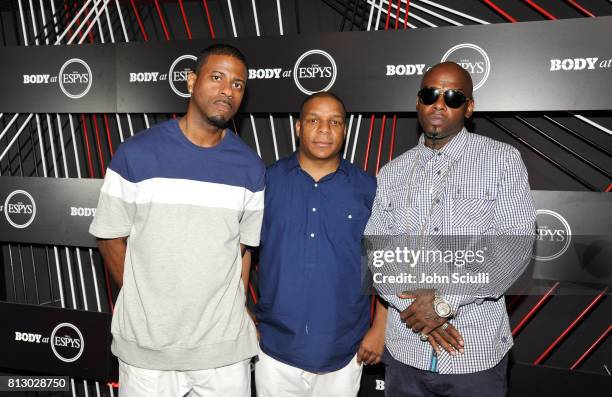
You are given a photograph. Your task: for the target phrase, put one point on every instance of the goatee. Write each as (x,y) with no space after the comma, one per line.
(217,121)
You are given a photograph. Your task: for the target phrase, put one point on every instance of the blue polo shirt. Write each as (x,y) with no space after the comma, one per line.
(312,311)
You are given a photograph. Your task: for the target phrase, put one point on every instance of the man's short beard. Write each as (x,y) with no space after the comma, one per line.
(217,121)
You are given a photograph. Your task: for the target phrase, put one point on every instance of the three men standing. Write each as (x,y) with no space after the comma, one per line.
(181,200)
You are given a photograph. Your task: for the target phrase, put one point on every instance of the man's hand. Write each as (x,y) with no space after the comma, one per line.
(420,316)
(373,343)
(372,346)
(447,338)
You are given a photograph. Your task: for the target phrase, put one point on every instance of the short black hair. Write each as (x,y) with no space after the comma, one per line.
(322,94)
(220,49)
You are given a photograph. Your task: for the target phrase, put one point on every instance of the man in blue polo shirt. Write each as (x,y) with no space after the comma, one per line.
(313,316)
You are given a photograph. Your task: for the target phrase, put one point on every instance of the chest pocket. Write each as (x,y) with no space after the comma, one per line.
(473,207)
(348,221)
(401,214)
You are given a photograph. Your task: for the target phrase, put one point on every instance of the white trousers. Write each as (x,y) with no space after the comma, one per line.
(276,379)
(230,381)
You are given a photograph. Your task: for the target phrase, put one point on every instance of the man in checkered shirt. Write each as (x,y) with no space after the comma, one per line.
(452,183)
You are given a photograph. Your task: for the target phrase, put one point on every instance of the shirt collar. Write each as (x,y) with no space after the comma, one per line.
(294,163)
(453,149)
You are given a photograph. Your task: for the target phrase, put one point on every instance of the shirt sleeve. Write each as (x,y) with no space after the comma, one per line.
(117,203)
(252,216)
(377,224)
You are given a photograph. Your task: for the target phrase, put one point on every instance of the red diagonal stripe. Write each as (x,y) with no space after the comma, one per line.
(367,153)
(142,30)
(89,161)
(588,351)
(570,327)
(500,11)
(540,9)
(161,19)
(388,15)
(580,8)
(406,15)
(99,145)
(108,136)
(185,19)
(210,25)
(534,309)
(380,143)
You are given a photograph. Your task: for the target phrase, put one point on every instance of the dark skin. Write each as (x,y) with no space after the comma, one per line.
(321,129)
(445,123)
(217,90)
(438,118)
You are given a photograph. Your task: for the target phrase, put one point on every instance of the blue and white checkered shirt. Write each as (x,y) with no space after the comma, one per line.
(474,185)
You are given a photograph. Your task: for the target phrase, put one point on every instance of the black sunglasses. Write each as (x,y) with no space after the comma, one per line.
(453,98)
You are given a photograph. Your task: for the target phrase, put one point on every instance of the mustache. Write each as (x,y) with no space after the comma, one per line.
(226,101)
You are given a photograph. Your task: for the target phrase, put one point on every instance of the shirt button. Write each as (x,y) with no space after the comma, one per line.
(437,201)
(439,154)
(350,216)
(312,235)
(438,172)
(314,209)
(436,229)
(316,185)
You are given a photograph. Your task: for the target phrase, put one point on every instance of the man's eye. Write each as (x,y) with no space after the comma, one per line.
(216,77)
(335,122)
(238,85)
(313,121)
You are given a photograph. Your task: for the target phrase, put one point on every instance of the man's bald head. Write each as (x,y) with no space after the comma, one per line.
(439,121)
(459,74)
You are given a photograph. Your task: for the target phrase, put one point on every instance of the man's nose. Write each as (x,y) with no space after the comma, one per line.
(324,127)
(226,89)
(439,104)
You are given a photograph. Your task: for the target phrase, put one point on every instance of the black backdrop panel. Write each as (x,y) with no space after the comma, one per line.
(58,79)
(532,66)
(49,340)
(48,210)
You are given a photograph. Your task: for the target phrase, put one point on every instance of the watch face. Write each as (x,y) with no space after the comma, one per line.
(443,309)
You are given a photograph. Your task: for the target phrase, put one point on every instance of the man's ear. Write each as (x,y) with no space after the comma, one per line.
(470,109)
(298,126)
(191,80)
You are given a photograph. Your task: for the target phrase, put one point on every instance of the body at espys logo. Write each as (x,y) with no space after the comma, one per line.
(554,235)
(473,59)
(20,209)
(177,75)
(67,342)
(314,71)
(75,78)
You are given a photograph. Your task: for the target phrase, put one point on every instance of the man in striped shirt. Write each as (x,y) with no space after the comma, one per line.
(453,183)
(179,203)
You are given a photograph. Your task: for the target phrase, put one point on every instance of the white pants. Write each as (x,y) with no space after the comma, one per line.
(230,381)
(276,379)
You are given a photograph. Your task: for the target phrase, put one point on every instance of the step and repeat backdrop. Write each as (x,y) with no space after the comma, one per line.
(56,298)
(564,69)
